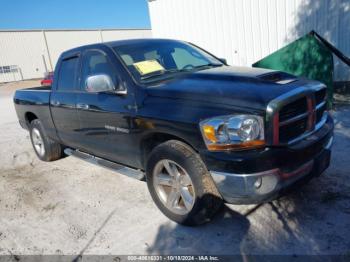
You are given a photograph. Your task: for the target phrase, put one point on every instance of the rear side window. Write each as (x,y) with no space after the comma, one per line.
(68,74)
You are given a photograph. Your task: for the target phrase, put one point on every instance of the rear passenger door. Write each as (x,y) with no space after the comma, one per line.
(63,101)
(105,117)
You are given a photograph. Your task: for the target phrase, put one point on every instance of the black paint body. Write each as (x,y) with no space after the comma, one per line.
(163,110)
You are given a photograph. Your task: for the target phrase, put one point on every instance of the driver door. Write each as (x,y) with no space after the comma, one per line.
(105,117)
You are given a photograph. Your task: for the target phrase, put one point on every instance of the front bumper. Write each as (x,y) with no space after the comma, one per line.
(286,167)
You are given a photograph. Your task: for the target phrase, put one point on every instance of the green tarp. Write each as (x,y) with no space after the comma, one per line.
(306,57)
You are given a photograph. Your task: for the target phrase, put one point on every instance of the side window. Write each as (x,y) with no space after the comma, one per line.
(68,74)
(96,63)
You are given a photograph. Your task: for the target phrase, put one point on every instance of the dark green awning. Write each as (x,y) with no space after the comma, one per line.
(308,57)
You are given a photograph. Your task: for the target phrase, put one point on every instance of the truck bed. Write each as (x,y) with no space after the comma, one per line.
(35,100)
(38,88)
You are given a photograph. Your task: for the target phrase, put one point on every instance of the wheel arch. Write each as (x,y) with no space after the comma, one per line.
(29,117)
(149,142)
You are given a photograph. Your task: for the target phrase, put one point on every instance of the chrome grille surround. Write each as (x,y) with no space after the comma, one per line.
(272,113)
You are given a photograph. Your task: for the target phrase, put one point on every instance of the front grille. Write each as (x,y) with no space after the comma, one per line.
(299,117)
(292,130)
(320,96)
(320,111)
(293,109)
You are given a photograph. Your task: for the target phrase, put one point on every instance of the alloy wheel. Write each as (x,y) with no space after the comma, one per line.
(173,186)
(38,142)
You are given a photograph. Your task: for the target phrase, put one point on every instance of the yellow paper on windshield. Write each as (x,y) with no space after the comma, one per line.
(148,66)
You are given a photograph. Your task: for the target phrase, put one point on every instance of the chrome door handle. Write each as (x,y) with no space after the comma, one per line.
(83,106)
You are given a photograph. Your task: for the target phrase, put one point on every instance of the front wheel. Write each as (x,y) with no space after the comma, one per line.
(181,185)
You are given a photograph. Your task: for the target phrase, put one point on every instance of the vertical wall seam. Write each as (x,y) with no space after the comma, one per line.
(101,37)
(47,49)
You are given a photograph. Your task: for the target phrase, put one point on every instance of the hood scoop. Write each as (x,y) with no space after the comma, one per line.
(278,78)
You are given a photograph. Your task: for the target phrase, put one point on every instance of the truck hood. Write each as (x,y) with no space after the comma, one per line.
(241,87)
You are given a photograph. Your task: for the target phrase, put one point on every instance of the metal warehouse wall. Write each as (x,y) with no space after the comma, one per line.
(29,54)
(26,50)
(244,31)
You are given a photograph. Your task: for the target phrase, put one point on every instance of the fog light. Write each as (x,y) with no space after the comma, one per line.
(258,183)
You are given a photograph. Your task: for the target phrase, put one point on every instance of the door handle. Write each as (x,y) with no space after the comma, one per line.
(83,106)
(55,103)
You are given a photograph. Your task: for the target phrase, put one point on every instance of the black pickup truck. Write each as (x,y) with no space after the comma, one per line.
(198,131)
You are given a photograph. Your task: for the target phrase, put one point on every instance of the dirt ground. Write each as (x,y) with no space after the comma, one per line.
(72,207)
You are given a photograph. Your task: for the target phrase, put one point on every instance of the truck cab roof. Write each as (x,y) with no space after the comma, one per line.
(113,44)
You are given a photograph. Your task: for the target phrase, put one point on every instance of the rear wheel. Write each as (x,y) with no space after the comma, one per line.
(180,184)
(45,148)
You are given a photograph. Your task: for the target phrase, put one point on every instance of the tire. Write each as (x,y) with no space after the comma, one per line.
(170,192)
(44,147)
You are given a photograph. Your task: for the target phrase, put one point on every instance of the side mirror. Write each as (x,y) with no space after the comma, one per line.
(121,89)
(223,60)
(99,83)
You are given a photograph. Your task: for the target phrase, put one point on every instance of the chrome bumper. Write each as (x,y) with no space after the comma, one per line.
(262,186)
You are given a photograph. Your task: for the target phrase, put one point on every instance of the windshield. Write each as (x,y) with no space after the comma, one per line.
(151,60)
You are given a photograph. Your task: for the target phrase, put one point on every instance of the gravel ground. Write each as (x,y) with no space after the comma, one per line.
(72,207)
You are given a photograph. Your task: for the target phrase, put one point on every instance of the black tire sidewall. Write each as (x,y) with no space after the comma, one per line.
(188,160)
(38,125)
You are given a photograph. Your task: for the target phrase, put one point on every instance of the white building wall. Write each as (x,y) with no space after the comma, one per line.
(244,31)
(111,35)
(26,49)
(59,41)
(35,52)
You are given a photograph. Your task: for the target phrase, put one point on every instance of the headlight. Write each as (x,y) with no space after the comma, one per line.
(234,132)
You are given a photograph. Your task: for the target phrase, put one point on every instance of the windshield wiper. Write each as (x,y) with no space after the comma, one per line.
(163,72)
(207,65)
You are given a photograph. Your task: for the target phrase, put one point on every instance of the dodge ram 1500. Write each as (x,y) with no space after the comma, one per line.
(198,131)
